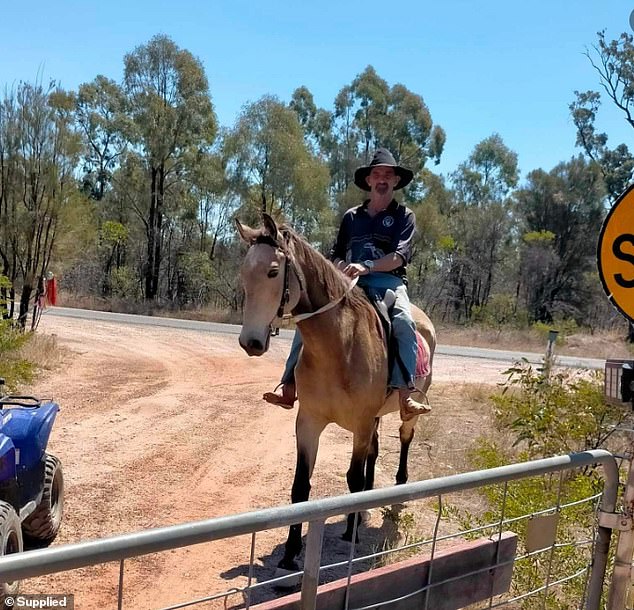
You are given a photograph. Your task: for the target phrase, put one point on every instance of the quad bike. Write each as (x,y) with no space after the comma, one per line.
(31,480)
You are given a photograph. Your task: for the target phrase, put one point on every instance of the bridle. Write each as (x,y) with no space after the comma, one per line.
(286,294)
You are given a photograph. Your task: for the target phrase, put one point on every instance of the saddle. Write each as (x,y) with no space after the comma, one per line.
(383,305)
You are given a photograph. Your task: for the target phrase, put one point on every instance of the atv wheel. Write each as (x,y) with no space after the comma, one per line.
(10,542)
(42,525)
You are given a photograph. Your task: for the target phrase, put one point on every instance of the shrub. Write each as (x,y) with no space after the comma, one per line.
(545,415)
(13,368)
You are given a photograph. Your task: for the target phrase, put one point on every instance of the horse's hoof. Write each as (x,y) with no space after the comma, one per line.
(292,577)
(366,516)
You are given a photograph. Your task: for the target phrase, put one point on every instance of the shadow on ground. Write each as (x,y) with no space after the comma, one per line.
(334,550)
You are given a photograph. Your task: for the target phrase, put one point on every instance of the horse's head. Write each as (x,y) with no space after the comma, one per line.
(270,281)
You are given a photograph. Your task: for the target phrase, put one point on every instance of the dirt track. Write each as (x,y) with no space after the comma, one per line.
(161,426)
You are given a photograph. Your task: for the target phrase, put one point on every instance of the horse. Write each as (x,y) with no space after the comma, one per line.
(342,373)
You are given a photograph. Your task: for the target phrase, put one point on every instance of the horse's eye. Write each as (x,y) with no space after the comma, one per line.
(273,273)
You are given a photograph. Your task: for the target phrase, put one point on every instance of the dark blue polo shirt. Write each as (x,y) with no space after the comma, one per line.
(362,237)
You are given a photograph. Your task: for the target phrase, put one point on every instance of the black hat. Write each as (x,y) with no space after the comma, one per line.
(383,157)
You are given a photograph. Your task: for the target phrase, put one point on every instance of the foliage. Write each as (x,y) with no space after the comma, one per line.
(138,181)
(614,62)
(13,368)
(125,284)
(500,312)
(545,416)
(567,204)
(274,170)
(171,115)
(561,413)
(481,223)
(564,327)
(196,279)
(39,150)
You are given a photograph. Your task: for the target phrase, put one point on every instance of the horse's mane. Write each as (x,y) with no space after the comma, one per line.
(328,276)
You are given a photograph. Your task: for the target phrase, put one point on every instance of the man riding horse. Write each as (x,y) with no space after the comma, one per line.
(374,244)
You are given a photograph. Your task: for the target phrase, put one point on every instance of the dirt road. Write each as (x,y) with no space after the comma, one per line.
(161,426)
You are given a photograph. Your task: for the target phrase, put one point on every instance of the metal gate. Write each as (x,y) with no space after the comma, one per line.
(316,512)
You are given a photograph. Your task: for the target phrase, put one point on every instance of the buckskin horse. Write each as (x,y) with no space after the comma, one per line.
(342,373)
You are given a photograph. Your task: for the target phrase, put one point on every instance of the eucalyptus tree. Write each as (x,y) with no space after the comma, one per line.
(100,113)
(272,168)
(316,122)
(560,211)
(481,222)
(369,113)
(171,115)
(613,60)
(39,151)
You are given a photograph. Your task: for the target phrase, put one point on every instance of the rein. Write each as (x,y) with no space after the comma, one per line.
(270,241)
(327,306)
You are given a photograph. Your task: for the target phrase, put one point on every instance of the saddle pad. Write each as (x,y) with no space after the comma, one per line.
(422,357)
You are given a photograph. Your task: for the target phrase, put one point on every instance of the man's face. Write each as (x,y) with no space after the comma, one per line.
(382,180)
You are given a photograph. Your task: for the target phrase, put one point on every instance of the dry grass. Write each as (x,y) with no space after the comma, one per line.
(462,412)
(204,314)
(605,344)
(42,350)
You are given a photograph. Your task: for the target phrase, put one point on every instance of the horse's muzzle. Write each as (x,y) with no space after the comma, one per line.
(254,347)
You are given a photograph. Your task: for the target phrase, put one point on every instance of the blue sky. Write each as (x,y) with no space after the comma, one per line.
(482,67)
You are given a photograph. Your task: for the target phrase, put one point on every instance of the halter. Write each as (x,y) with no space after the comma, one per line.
(286,295)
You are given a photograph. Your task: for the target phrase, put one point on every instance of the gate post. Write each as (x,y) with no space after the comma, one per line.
(312,563)
(604,533)
(622,572)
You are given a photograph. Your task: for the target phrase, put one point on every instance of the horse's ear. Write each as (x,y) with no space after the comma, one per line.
(269,225)
(246,233)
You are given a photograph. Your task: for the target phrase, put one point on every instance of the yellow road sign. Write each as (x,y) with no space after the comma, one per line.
(616,254)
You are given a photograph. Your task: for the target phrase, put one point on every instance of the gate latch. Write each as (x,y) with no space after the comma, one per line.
(616,521)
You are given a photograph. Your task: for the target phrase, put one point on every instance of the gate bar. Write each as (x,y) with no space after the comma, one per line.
(18,566)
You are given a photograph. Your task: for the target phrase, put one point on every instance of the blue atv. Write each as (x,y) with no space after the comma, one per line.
(31,480)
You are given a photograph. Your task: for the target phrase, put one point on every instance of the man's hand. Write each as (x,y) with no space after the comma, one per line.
(355,269)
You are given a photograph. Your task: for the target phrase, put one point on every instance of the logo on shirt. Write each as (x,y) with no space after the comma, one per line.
(375,253)
(388,221)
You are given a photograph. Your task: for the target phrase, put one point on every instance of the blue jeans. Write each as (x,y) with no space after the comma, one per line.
(403,330)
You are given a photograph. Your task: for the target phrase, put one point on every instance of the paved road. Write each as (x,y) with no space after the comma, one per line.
(234,329)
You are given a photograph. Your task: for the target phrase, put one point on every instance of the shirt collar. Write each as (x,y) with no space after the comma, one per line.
(390,208)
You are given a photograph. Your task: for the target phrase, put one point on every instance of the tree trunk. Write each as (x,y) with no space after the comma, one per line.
(25,297)
(151,236)
(160,199)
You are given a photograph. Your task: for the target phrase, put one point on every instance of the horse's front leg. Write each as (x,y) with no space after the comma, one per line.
(308,431)
(356,473)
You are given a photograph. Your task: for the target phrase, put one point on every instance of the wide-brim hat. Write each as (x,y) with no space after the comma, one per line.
(383,157)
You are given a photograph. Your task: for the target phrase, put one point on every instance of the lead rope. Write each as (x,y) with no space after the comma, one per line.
(327,306)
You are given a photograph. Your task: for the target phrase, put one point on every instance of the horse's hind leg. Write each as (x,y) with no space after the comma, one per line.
(356,473)
(372,456)
(406,433)
(307,431)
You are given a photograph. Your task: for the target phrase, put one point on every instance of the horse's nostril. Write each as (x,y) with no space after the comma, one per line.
(254,344)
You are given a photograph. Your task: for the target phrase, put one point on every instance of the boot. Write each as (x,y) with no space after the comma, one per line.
(411,408)
(286,400)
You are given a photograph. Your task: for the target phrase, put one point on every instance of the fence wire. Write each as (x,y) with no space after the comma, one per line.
(540,576)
